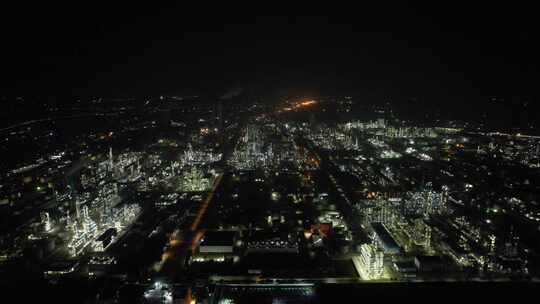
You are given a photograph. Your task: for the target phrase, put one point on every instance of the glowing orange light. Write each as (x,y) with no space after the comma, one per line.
(165,256)
(307,103)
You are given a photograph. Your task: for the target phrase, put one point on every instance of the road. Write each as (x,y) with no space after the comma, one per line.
(183,243)
(204,205)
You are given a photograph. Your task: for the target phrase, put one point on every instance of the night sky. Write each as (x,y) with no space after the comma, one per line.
(390,49)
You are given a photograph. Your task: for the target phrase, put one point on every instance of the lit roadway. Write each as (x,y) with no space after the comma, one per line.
(202,211)
(181,244)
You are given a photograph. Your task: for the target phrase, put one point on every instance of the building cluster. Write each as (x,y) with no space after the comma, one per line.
(275,194)
(191,171)
(381,128)
(425,202)
(198,157)
(193,180)
(93,218)
(86,215)
(267,243)
(329,138)
(370,262)
(267,147)
(413,210)
(525,150)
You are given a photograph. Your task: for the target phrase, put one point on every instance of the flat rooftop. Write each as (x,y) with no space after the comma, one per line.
(218,238)
(387,239)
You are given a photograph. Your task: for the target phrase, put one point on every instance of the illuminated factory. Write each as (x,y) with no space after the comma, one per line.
(266,147)
(83,230)
(193,179)
(199,157)
(90,220)
(370,263)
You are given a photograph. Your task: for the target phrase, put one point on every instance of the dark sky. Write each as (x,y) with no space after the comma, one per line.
(394,49)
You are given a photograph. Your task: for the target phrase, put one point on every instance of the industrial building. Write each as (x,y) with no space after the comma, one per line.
(384,239)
